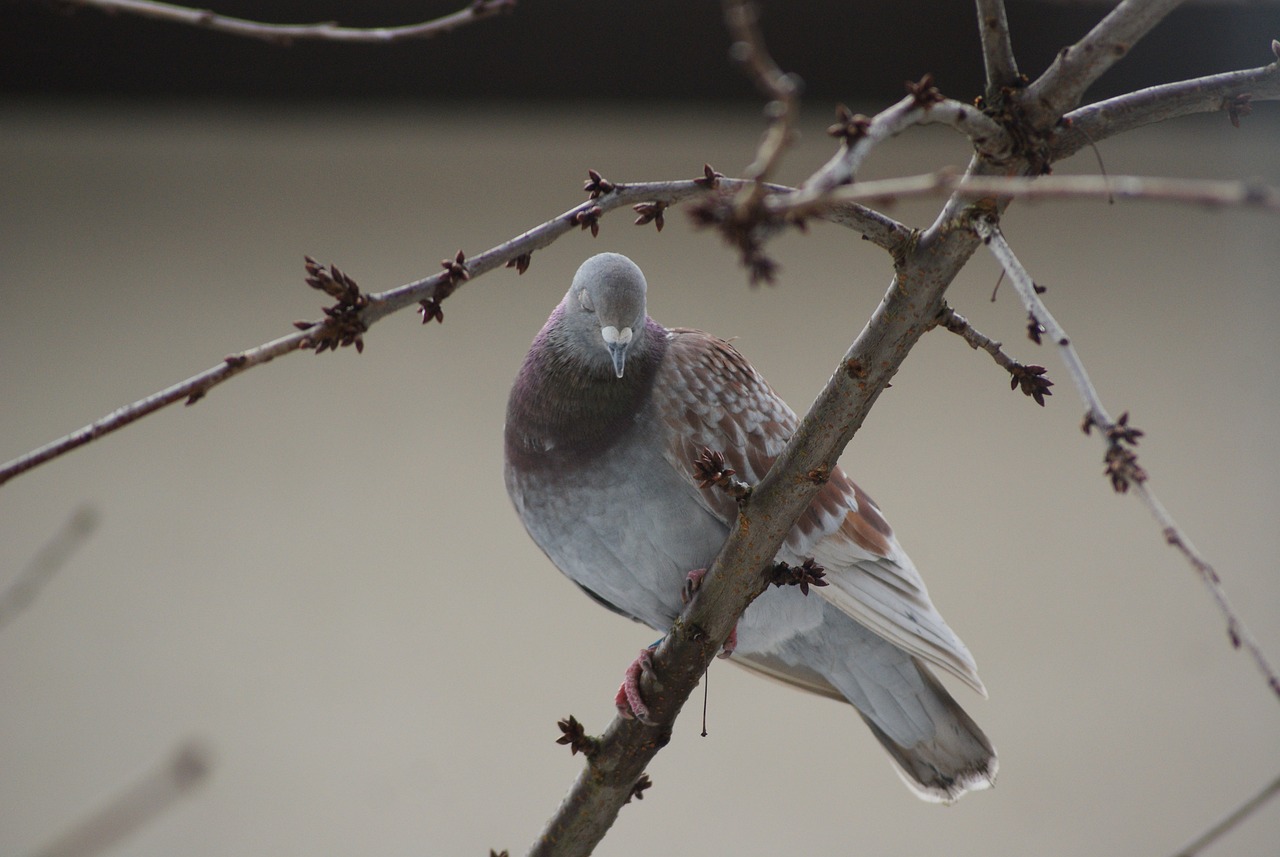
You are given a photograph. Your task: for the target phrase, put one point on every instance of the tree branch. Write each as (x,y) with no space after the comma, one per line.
(876,227)
(997,48)
(925,106)
(1114,116)
(743,20)
(1077,67)
(1029,377)
(1122,466)
(288,33)
(1216,194)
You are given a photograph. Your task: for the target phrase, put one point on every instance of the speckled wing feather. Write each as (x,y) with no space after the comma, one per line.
(710,396)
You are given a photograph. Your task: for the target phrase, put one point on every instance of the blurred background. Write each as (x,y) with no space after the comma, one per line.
(315,571)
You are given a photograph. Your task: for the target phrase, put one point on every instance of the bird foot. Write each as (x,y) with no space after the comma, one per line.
(629,701)
(729,644)
(692,583)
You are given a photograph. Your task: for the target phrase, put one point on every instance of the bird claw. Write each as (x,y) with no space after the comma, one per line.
(692,583)
(629,701)
(730,644)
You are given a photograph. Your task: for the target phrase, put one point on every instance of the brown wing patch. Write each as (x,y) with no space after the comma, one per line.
(871,512)
(862,532)
(859,520)
(712,397)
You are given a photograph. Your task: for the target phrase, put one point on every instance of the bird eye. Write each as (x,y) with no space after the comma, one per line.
(585,302)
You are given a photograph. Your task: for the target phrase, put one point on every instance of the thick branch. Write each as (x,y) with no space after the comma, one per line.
(997,47)
(1077,67)
(1121,464)
(1114,116)
(286,33)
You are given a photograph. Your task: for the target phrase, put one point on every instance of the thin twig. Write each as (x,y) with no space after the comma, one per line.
(1030,377)
(1246,809)
(53,556)
(743,20)
(1214,194)
(1077,67)
(286,33)
(135,806)
(997,47)
(1135,478)
(878,228)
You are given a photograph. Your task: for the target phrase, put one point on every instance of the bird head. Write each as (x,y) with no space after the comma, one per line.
(605,309)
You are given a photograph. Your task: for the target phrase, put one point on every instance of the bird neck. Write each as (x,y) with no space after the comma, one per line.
(564,405)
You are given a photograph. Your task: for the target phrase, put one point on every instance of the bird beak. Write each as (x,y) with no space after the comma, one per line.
(618,351)
(617,341)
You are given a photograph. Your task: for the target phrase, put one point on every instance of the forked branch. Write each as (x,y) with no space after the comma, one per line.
(1079,66)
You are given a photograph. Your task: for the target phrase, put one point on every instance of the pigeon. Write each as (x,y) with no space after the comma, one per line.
(605,420)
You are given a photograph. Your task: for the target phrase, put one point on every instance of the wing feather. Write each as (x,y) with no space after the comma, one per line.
(710,396)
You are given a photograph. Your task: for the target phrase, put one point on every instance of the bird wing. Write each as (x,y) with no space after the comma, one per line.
(709,396)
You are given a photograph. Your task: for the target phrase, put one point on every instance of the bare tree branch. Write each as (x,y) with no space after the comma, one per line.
(1215,194)
(743,20)
(997,47)
(55,553)
(1077,67)
(876,227)
(925,106)
(1242,812)
(1114,116)
(135,806)
(287,33)
(1122,465)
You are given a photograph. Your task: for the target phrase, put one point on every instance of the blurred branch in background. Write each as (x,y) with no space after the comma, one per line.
(136,805)
(19,594)
(1228,823)
(286,33)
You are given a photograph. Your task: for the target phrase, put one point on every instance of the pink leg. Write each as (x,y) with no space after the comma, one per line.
(692,584)
(628,699)
(729,644)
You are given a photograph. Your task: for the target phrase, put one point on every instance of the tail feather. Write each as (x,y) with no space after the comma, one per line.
(939,751)
(957,759)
